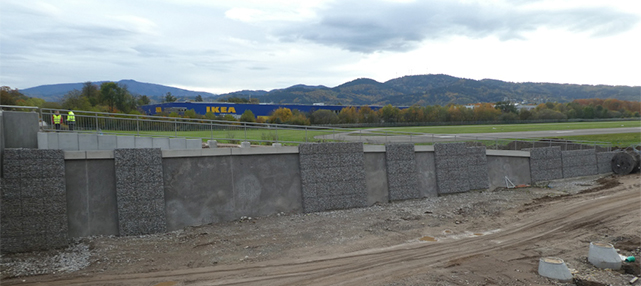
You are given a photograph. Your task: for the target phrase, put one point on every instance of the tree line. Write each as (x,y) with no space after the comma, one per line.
(112,97)
(500,111)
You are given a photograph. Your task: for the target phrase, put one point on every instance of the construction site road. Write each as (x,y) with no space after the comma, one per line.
(367,135)
(486,238)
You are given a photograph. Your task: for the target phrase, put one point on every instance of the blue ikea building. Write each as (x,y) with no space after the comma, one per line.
(236,109)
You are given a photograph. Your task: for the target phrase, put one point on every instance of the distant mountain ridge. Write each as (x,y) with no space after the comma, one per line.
(404,91)
(55,92)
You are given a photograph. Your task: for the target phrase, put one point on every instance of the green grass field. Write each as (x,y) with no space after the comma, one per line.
(300,135)
(619,139)
(493,128)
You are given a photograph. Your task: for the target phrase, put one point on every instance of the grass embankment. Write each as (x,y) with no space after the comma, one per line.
(619,139)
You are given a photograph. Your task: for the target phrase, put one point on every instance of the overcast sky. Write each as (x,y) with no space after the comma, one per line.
(221,46)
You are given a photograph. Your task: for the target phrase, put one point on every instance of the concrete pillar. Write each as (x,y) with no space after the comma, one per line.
(245,144)
(212,143)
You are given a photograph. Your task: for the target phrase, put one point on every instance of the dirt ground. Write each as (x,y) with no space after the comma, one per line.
(475,238)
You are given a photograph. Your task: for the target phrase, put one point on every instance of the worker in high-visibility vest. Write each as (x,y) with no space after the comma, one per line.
(57,120)
(71,120)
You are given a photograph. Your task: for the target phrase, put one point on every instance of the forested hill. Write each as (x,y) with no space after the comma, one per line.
(443,89)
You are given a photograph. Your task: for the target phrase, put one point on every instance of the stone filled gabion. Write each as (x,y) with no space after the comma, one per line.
(460,168)
(332,176)
(140,191)
(546,164)
(402,174)
(577,163)
(33,200)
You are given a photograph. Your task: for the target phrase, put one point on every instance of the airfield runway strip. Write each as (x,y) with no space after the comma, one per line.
(429,137)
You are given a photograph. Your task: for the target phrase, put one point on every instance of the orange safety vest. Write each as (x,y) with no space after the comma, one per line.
(57,119)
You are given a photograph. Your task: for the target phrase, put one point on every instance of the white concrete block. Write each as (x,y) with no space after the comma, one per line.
(52,140)
(159,142)
(87,142)
(107,142)
(123,142)
(245,144)
(194,144)
(144,142)
(68,141)
(177,144)
(42,140)
(212,143)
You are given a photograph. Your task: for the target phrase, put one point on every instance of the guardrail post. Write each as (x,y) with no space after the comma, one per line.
(138,125)
(97,123)
(211,129)
(175,127)
(245,125)
(276,134)
(305,133)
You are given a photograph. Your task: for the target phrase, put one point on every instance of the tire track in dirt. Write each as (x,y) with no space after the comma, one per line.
(565,217)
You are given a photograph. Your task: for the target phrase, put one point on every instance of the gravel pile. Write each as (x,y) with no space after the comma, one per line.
(71,259)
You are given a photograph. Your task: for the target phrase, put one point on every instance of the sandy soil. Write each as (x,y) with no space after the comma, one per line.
(476,238)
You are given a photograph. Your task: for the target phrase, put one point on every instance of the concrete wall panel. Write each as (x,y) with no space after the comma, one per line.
(143,142)
(266,184)
(20,129)
(517,169)
(426,172)
(91,197)
(177,144)
(198,191)
(376,178)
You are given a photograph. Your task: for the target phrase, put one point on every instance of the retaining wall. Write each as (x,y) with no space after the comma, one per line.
(139,191)
(20,129)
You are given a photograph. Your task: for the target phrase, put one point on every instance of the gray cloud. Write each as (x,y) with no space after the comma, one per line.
(367,26)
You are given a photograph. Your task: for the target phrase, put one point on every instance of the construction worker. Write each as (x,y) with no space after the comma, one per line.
(71,120)
(57,119)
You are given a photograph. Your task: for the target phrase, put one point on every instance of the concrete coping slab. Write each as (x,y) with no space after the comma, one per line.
(374,148)
(93,154)
(100,154)
(508,153)
(424,148)
(75,155)
(264,150)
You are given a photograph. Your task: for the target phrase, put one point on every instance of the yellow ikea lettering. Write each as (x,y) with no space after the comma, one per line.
(215,109)
(223,109)
(208,109)
(231,110)
(158,109)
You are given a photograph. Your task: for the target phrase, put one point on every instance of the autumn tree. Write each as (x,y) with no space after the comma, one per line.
(348,115)
(75,100)
(367,115)
(248,116)
(389,114)
(323,116)
(280,115)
